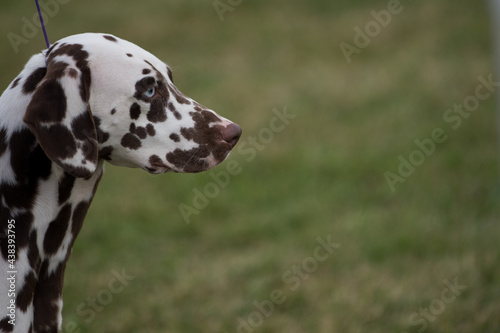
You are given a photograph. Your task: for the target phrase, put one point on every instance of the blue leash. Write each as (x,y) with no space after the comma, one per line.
(43,24)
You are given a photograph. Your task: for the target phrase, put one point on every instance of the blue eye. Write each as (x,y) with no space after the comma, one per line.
(150,93)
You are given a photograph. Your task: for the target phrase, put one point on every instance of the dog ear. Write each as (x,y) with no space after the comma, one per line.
(60,117)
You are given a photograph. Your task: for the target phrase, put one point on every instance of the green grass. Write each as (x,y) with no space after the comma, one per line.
(322,175)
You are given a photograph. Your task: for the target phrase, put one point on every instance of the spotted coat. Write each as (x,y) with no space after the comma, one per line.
(89,98)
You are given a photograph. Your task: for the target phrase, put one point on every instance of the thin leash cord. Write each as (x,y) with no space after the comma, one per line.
(43,24)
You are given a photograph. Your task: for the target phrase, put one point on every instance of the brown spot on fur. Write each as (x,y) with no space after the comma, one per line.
(176,113)
(73,73)
(57,230)
(24,222)
(78,218)
(102,136)
(33,253)
(105,153)
(110,38)
(3,141)
(189,160)
(65,187)
(135,111)
(25,295)
(45,306)
(156,160)
(151,130)
(48,104)
(141,132)
(174,137)
(5,326)
(15,83)
(157,112)
(32,81)
(131,141)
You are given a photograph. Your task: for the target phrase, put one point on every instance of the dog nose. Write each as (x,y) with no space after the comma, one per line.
(231,134)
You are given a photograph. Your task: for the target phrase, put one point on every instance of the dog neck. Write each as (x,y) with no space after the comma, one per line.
(46,208)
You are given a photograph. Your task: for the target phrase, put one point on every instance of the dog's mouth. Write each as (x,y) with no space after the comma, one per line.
(158,170)
(198,159)
(157,166)
(192,161)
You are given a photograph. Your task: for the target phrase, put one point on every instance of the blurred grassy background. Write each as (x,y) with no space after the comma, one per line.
(322,175)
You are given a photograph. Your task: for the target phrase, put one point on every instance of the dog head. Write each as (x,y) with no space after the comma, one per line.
(102,97)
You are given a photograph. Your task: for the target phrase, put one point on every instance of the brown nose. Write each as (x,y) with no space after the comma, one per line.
(231,134)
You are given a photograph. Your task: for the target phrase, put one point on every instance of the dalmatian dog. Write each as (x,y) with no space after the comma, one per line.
(89,98)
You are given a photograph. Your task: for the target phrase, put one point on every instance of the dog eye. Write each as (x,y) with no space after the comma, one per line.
(150,93)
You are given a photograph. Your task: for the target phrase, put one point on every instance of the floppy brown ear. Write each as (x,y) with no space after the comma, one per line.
(61,120)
